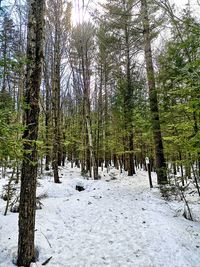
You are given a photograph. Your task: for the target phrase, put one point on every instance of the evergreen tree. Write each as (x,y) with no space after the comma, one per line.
(179,92)
(159,151)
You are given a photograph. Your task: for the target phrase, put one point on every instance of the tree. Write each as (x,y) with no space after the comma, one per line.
(58,28)
(179,72)
(159,153)
(83,49)
(26,247)
(124,39)
(7,42)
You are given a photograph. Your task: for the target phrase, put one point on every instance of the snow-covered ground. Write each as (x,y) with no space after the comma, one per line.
(116,223)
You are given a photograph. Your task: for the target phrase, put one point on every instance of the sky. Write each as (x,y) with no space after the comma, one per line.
(79,13)
(194,5)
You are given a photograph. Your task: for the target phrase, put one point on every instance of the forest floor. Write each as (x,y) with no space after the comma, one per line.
(117,222)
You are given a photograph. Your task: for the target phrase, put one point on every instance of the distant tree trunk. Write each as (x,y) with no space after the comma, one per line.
(47,120)
(86,83)
(181,165)
(160,160)
(26,247)
(56,160)
(4,67)
(131,167)
(106,117)
(5,40)
(100,122)
(64,153)
(128,99)
(196,130)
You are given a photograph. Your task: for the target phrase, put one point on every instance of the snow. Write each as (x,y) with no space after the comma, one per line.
(116,223)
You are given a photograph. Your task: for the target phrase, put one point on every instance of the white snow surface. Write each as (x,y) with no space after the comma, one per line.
(119,223)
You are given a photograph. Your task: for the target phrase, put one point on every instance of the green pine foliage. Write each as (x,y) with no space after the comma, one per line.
(10,130)
(179,81)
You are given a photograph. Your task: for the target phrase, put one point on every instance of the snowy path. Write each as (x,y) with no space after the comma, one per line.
(118,223)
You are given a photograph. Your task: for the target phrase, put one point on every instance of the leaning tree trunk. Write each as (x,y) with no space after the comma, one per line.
(160,160)
(26,247)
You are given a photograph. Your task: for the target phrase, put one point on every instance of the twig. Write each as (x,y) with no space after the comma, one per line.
(46,239)
(186,203)
(47,261)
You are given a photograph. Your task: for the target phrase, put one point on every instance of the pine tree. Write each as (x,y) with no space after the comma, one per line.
(159,152)
(26,246)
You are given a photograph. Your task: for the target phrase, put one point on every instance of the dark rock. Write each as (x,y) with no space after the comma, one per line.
(80,188)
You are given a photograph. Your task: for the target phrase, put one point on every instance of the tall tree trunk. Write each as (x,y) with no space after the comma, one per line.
(26,247)
(100,122)
(106,121)
(160,160)
(128,106)
(86,83)
(47,120)
(4,58)
(56,160)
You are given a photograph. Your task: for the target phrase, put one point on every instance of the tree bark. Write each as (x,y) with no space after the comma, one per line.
(159,153)
(26,247)
(47,116)
(86,83)
(56,160)
(129,107)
